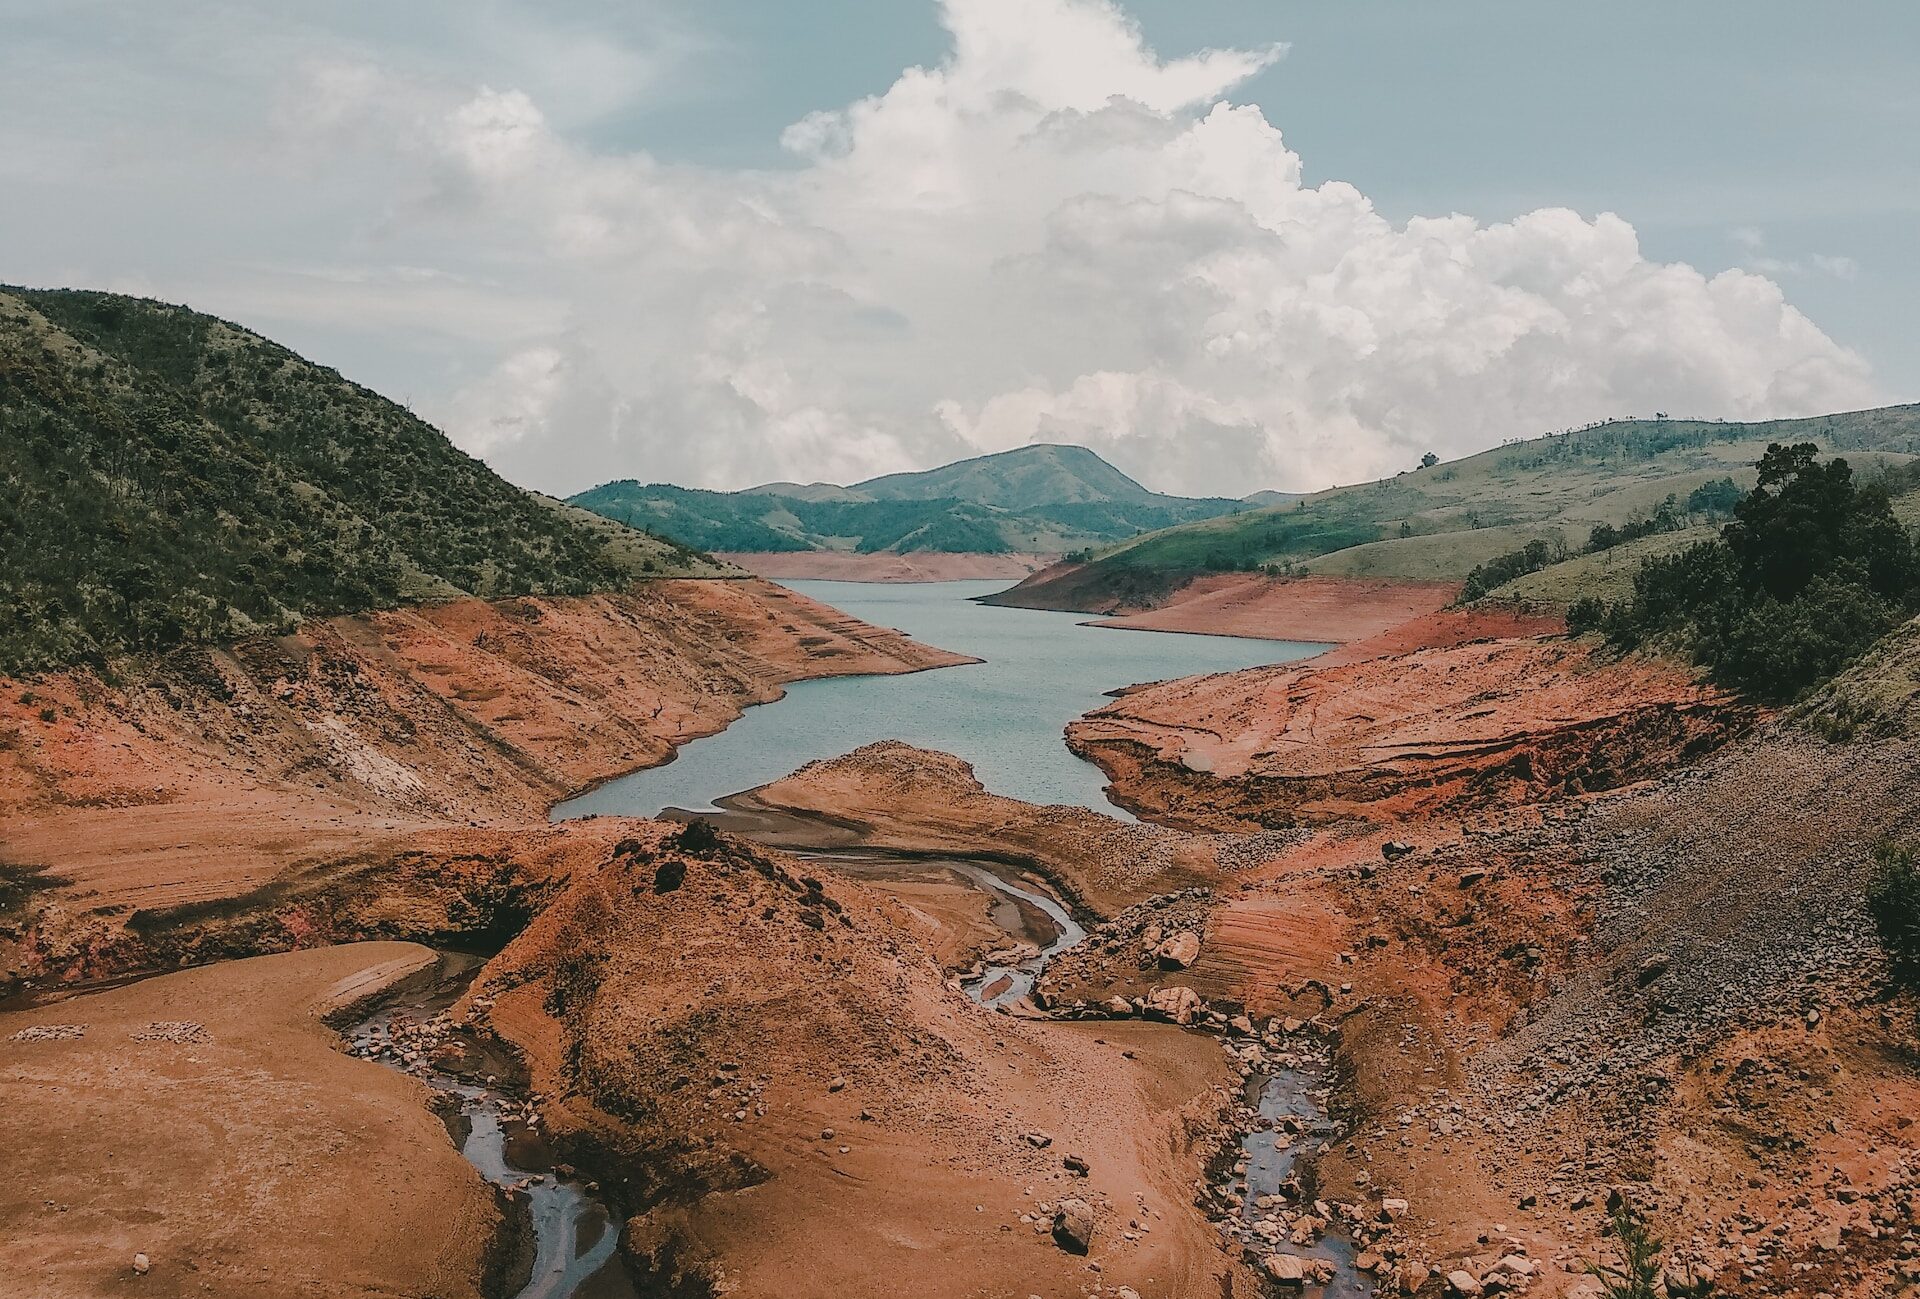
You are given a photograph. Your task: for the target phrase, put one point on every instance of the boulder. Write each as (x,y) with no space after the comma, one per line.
(1180,1004)
(1285,1269)
(1073,1225)
(1413,1276)
(1464,1283)
(1178,951)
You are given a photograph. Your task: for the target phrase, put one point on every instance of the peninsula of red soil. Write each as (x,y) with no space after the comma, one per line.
(918,566)
(758,1061)
(1328,609)
(1465,724)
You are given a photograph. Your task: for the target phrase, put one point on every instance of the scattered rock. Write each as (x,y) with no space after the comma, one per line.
(1073,1225)
(1285,1269)
(142,1264)
(1179,1004)
(1179,951)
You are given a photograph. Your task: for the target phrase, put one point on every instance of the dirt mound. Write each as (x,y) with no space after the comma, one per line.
(764,1067)
(892,795)
(1329,609)
(1442,729)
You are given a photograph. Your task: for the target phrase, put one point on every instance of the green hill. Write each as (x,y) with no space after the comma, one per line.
(1442,521)
(1037,498)
(1025,478)
(169,476)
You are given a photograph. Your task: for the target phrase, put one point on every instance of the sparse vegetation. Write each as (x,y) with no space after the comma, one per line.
(1640,1275)
(1441,522)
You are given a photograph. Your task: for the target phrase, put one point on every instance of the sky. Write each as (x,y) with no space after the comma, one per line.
(1230,245)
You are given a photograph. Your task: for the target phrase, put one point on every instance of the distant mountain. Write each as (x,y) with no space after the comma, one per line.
(1049,499)
(166,476)
(1025,478)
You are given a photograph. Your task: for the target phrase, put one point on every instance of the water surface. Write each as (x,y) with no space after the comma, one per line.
(1004,715)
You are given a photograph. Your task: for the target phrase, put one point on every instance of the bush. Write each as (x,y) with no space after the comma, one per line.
(1893,899)
(1639,1276)
(1588,613)
(1501,569)
(1812,570)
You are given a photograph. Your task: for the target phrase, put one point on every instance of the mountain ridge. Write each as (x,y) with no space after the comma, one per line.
(1040,498)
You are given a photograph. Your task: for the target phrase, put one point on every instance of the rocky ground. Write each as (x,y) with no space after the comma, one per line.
(758,1060)
(1555,1001)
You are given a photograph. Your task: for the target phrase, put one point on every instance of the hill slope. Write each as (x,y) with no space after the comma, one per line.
(1024,478)
(168,476)
(1437,523)
(1034,499)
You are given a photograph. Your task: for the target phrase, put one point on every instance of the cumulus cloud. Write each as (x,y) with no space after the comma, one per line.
(1053,234)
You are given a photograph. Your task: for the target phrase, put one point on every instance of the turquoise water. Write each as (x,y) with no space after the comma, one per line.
(1005,715)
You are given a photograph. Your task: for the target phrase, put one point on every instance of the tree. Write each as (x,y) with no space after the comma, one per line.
(1812,569)
(1429,460)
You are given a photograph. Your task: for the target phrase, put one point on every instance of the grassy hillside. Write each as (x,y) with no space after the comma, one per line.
(1442,521)
(1039,498)
(168,476)
(1024,478)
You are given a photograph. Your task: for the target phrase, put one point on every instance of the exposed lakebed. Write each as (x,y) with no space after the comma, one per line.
(1005,716)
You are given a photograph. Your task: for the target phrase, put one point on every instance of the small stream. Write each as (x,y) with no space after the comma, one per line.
(1272,1154)
(576,1237)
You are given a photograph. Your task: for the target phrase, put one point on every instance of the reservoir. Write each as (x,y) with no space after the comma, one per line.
(1004,715)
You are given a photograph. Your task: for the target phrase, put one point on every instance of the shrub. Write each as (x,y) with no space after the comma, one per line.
(1588,613)
(1812,570)
(1501,569)
(1893,899)
(1639,1276)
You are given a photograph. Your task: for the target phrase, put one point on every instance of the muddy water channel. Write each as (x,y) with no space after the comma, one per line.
(575,1238)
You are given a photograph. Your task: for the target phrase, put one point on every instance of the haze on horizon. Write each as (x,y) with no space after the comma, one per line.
(1048,221)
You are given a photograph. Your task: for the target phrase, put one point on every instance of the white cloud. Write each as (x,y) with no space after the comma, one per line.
(1053,234)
